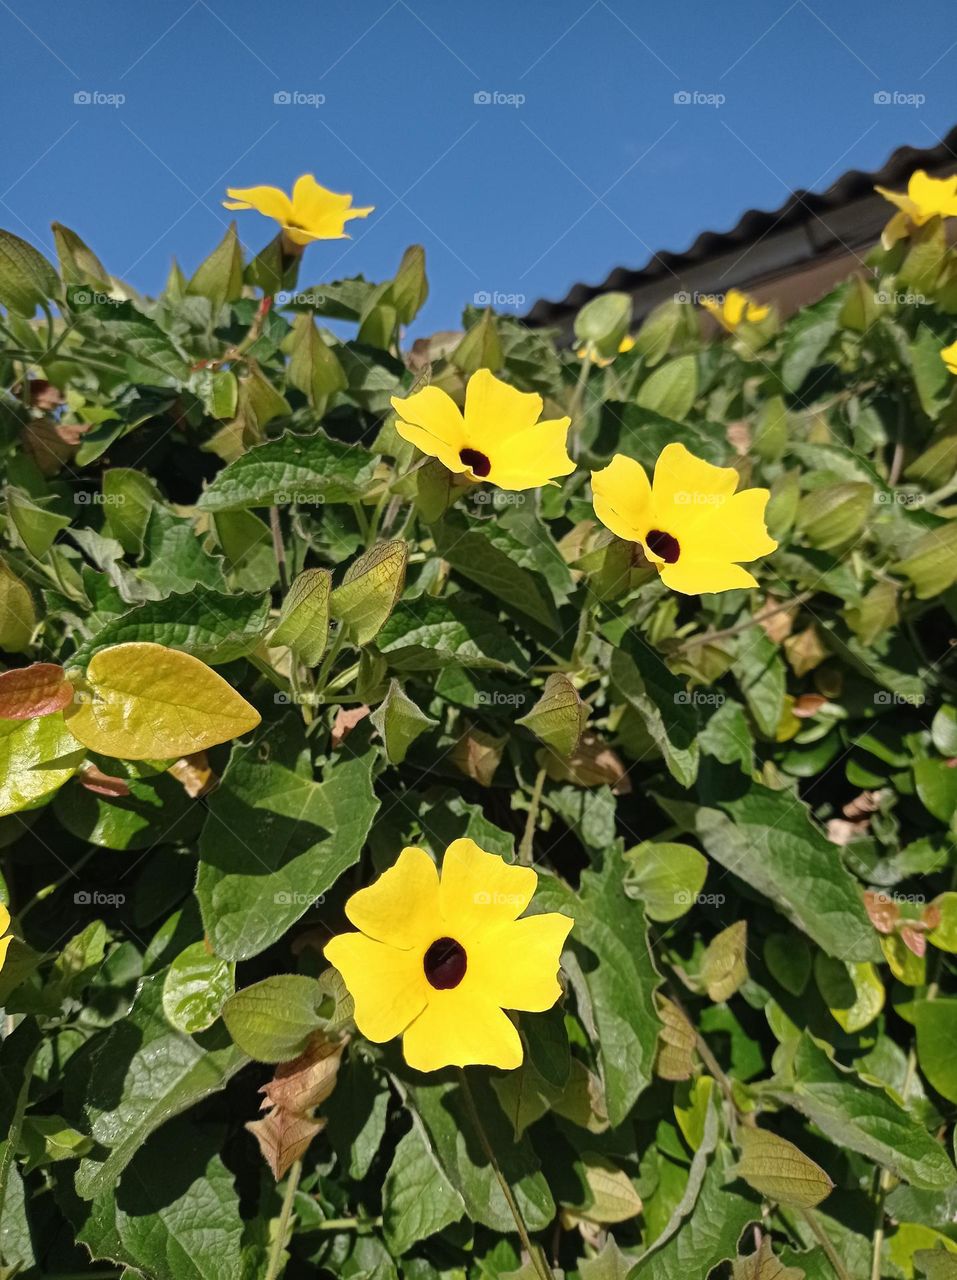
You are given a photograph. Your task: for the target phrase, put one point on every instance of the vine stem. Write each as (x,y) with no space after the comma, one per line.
(528,835)
(285,1215)
(708,637)
(279,548)
(824,1240)
(537,1257)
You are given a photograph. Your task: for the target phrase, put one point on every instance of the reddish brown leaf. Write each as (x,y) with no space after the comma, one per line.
(51,444)
(103,784)
(195,774)
(283,1138)
(914,939)
(28,692)
(592,764)
(346,720)
(862,806)
(478,755)
(808,704)
(308,1080)
(883,911)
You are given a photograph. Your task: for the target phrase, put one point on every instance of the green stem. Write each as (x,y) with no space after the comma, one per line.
(322,679)
(709,637)
(528,836)
(279,548)
(42,894)
(276,1263)
(824,1240)
(535,1254)
(348,1224)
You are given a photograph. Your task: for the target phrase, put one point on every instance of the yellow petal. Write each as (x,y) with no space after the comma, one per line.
(900,199)
(320,212)
(269,201)
(517,965)
(533,457)
(4,945)
(897,229)
(480,891)
(494,410)
(430,419)
(4,918)
(932,196)
(460,1028)
(402,907)
(686,489)
(735,305)
(389,986)
(621,493)
(732,530)
(756,312)
(697,577)
(949,357)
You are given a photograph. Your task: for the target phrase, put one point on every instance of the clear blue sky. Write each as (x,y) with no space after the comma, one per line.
(598,166)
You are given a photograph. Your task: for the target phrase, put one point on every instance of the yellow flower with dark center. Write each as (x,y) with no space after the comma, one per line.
(925,198)
(438,960)
(7,938)
(690,522)
(949,357)
(313,212)
(735,309)
(588,352)
(499,438)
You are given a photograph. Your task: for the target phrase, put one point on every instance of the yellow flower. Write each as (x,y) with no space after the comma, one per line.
(949,357)
(735,309)
(438,960)
(691,524)
(313,213)
(499,439)
(7,938)
(926,198)
(588,352)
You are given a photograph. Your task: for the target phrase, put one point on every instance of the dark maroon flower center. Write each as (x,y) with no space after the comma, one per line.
(475,461)
(664,545)
(445,963)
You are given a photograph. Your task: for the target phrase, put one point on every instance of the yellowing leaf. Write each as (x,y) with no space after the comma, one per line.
(676,1043)
(304,621)
(723,966)
(17,614)
(36,758)
(779,1170)
(144,701)
(609,1194)
(370,590)
(558,717)
(854,993)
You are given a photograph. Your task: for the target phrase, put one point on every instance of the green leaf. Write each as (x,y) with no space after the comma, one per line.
(293,469)
(17,1055)
(418,1200)
(931,562)
(410,288)
(303,624)
(936,782)
(36,758)
(936,1023)
(762,678)
(835,514)
(806,337)
(36,525)
(313,367)
(275,840)
(854,993)
(272,1020)
(400,722)
(616,985)
(671,389)
(763,1265)
(17,615)
(767,838)
(27,280)
(458,1148)
(157,808)
(558,717)
(220,277)
(862,1118)
(141,1073)
(779,1170)
(481,348)
(604,321)
(370,590)
(129,498)
(196,986)
(433,633)
(667,877)
(208,624)
(724,963)
(78,263)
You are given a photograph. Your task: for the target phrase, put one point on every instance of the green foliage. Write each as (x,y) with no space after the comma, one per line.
(745,801)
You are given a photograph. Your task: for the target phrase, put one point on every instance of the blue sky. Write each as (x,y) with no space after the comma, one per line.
(583,160)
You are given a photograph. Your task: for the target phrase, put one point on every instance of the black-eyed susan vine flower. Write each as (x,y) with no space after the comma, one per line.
(925,198)
(949,357)
(439,958)
(690,522)
(735,309)
(313,212)
(590,352)
(5,938)
(498,439)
